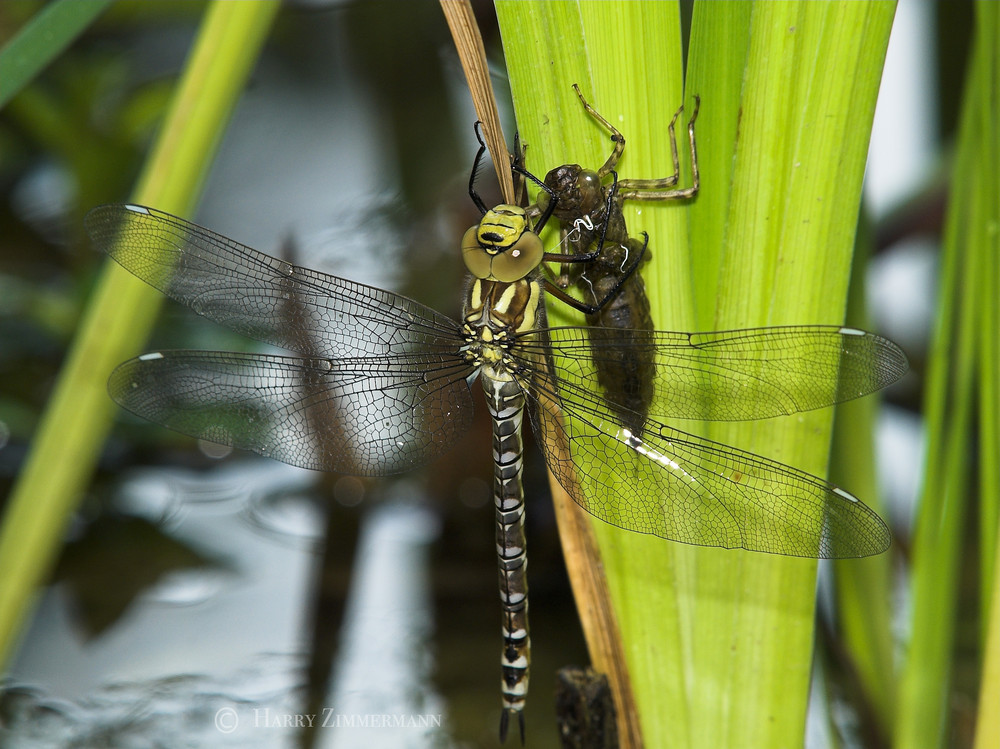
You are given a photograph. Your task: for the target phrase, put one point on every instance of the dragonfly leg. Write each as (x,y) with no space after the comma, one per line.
(505,724)
(621,275)
(547,213)
(592,309)
(475,169)
(518,170)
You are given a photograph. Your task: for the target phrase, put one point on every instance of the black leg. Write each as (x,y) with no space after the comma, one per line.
(591,309)
(518,169)
(475,171)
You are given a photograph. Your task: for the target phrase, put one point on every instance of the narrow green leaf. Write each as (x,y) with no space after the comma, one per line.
(988,720)
(988,17)
(864,587)
(42,40)
(719,642)
(956,359)
(809,84)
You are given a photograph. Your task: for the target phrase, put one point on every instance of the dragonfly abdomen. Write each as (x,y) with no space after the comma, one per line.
(505,401)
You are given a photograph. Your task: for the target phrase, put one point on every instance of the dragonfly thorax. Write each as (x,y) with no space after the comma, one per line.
(495,313)
(502,246)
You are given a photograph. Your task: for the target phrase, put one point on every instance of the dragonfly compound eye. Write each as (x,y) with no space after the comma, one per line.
(477,260)
(519,260)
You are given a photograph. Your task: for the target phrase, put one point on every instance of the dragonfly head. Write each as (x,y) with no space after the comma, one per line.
(502,246)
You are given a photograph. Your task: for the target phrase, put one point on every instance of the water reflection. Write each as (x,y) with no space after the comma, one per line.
(208,710)
(349,491)
(188,588)
(287,518)
(385,667)
(180,612)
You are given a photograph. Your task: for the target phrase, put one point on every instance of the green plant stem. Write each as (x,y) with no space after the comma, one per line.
(121,313)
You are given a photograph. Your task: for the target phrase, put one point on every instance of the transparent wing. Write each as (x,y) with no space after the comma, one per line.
(732,375)
(369,416)
(693,490)
(260,296)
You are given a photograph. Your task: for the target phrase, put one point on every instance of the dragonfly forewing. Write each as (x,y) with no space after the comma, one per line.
(263,297)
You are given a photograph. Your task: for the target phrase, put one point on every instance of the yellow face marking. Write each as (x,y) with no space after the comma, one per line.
(501,227)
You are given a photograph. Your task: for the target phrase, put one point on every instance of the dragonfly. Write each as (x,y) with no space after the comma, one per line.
(589,210)
(383,384)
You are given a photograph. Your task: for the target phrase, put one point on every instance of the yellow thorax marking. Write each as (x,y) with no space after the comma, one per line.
(503,303)
(530,308)
(476,297)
